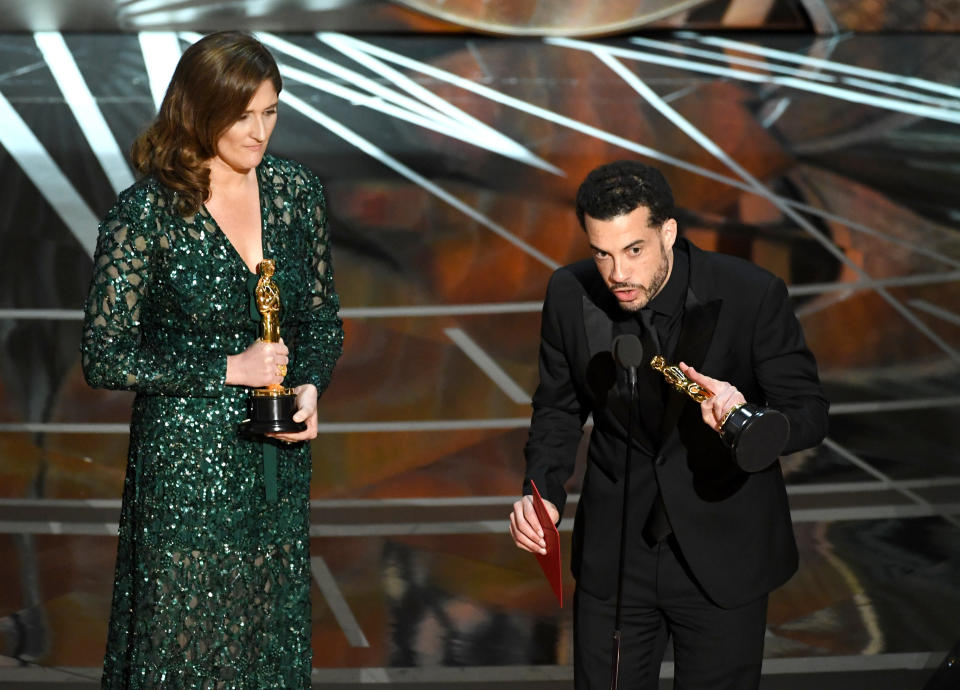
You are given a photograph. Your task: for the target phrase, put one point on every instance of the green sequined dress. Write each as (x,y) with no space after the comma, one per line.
(212,585)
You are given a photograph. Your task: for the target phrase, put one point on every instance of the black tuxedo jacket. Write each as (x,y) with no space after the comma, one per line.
(733,527)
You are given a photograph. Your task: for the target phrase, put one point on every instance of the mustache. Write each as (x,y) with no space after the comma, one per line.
(627,286)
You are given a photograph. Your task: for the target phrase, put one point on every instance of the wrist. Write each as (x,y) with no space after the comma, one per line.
(232,365)
(732,409)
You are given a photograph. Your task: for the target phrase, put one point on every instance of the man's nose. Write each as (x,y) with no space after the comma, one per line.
(618,272)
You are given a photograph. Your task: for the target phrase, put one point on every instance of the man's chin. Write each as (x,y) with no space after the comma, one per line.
(633,306)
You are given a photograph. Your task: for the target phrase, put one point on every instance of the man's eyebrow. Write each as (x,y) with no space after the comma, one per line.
(632,244)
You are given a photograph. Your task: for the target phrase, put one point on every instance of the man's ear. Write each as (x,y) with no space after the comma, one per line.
(668,233)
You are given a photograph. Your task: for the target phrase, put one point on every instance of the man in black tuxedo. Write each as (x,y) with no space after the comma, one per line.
(706,540)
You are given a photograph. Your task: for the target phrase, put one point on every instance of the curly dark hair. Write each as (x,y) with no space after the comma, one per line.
(618,188)
(212,85)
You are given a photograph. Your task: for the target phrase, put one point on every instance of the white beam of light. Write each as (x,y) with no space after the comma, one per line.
(84,108)
(912,495)
(470,124)
(785,56)
(337,602)
(731,59)
(420,106)
(794,72)
(488,365)
(603,135)
(529,108)
(24,147)
(711,147)
(900,93)
(939,312)
(916,109)
(161,52)
(450,129)
(379,154)
(167,13)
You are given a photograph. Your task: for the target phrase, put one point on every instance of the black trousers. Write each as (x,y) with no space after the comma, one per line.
(714,648)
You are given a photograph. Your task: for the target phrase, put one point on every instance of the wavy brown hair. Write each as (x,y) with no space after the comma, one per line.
(210,89)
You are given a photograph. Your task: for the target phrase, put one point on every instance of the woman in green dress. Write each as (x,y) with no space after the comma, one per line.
(212,585)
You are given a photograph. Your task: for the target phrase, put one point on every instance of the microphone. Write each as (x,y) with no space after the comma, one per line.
(628,351)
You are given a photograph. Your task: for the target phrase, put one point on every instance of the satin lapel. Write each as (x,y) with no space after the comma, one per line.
(699,323)
(598,326)
(601,369)
(601,373)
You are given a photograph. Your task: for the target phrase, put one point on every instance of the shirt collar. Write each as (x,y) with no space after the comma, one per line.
(669,300)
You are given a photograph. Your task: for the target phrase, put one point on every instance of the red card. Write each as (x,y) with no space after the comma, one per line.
(549,562)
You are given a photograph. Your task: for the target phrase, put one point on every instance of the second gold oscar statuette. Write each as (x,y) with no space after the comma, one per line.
(755,435)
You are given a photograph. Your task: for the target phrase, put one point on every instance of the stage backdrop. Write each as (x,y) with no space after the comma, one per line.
(450,158)
(503,17)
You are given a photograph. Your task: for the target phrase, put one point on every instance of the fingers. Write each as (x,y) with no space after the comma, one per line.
(273,361)
(307,434)
(551,511)
(719,406)
(261,364)
(699,378)
(306,402)
(275,352)
(525,527)
(713,410)
(306,413)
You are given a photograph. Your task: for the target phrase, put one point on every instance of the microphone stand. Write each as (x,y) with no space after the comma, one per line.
(615,671)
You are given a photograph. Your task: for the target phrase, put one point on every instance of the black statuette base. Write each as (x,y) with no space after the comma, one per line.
(271,414)
(756,436)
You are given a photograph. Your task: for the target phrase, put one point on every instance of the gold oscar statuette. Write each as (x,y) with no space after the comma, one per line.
(676,378)
(755,435)
(270,409)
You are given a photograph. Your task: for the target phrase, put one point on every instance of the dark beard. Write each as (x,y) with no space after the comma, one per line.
(659,278)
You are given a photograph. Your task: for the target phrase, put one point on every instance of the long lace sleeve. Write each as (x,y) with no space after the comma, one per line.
(116,352)
(320,340)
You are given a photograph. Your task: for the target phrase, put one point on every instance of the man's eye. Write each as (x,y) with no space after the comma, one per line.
(634,251)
